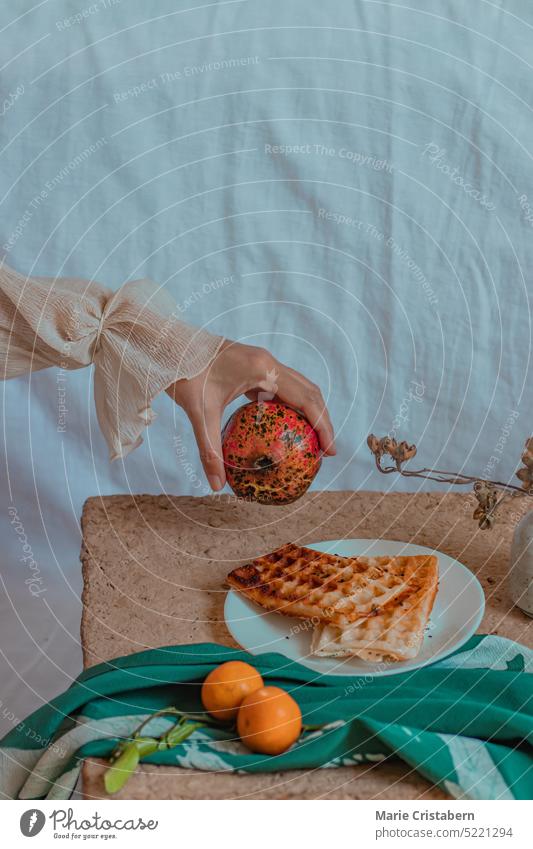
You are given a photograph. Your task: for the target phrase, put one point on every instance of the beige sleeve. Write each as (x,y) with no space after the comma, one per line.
(137,343)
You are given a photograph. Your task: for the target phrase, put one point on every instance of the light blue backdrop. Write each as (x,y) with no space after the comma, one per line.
(347,183)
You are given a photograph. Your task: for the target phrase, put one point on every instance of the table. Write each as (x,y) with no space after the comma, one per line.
(154,569)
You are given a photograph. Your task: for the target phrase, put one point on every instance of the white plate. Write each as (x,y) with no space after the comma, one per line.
(456,614)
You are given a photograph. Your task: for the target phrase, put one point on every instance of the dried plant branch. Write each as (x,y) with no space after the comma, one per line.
(486,491)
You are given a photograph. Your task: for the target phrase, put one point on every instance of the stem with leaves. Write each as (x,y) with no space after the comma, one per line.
(129,752)
(126,757)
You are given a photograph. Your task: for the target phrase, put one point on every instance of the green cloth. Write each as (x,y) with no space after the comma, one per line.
(465,723)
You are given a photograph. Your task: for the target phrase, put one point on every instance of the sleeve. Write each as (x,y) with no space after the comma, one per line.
(133,336)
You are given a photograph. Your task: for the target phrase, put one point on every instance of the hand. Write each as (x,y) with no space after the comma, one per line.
(244,370)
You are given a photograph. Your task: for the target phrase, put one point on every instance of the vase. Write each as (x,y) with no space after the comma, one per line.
(521,574)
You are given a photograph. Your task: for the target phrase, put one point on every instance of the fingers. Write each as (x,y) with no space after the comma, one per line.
(206,425)
(317,414)
(296,390)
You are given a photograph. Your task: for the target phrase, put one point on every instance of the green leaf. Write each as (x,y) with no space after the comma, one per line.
(126,764)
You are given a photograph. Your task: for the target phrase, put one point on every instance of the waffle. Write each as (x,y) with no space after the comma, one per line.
(395,634)
(325,588)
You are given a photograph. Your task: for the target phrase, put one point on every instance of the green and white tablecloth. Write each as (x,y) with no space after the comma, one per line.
(464,723)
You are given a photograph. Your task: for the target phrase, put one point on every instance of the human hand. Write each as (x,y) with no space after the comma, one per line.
(245,370)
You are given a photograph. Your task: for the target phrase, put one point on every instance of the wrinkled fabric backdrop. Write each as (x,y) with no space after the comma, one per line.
(346,183)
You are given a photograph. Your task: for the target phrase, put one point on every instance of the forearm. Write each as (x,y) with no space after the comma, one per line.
(133,336)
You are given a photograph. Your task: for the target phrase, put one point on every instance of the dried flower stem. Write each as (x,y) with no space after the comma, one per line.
(445,477)
(484,490)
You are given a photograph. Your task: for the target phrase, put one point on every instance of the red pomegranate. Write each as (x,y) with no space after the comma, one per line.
(271,452)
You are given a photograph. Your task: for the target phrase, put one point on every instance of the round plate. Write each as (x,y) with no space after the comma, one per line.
(456,614)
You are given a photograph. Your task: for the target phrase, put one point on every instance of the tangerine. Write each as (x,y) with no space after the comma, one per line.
(226,686)
(269,721)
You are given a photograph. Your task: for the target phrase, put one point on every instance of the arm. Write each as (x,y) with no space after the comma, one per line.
(133,337)
(139,348)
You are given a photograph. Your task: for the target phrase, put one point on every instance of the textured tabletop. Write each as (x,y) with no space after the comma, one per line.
(154,569)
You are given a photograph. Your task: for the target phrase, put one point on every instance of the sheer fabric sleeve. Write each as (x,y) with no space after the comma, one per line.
(135,339)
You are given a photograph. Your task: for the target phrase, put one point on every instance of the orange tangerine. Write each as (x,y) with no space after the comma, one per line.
(269,721)
(226,686)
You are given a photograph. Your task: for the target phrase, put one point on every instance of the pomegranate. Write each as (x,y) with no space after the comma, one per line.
(271,452)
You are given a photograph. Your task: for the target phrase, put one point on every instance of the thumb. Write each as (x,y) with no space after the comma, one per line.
(206,426)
